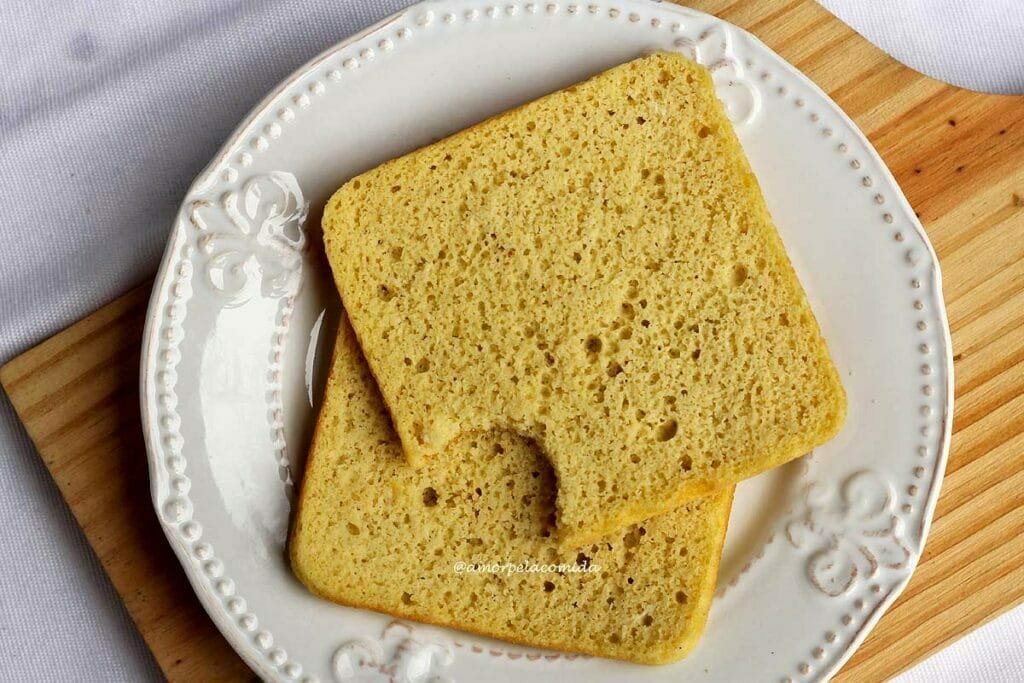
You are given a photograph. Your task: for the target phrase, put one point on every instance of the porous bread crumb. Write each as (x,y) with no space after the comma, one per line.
(597,271)
(373,531)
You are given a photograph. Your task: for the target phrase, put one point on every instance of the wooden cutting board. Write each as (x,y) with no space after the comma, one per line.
(958,155)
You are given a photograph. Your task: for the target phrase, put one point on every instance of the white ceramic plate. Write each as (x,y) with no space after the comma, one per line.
(243,310)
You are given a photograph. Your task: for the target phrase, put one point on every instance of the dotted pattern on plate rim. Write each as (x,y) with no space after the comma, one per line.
(912,258)
(177,509)
(285,309)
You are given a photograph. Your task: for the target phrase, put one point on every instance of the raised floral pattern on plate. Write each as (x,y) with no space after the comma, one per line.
(399,655)
(714,49)
(851,530)
(255,240)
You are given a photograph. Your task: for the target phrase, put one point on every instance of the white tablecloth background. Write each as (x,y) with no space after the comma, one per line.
(108,109)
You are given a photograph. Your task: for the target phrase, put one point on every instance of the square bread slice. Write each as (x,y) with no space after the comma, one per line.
(373,531)
(597,271)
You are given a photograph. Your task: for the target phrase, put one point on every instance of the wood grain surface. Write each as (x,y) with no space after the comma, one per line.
(959,157)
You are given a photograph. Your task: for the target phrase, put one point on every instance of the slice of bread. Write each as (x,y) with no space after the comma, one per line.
(373,531)
(597,271)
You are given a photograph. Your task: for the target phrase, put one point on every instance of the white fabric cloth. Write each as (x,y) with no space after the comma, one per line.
(108,108)
(975,44)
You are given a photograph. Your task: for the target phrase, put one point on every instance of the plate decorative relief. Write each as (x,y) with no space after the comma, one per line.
(240,288)
(396,655)
(851,530)
(713,48)
(260,245)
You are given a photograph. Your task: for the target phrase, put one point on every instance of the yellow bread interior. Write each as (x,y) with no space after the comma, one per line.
(373,531)
(596,271)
